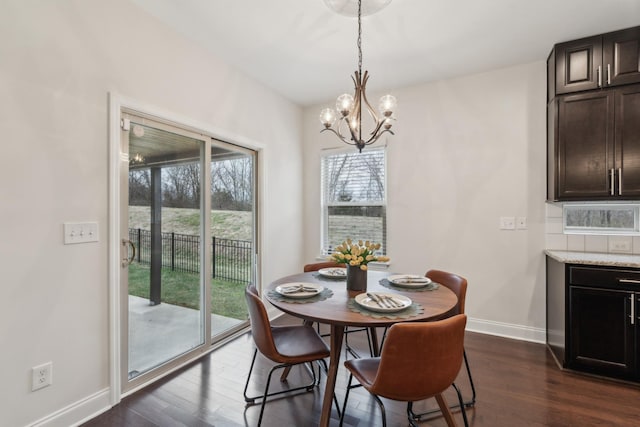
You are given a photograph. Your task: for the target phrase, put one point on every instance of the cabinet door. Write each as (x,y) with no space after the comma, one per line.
(627,130)
(601,333)
(577,65)
(585,150)
(621,57)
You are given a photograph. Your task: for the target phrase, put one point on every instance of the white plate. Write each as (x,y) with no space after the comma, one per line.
(409,280)
(333,272)
(365,301)
(309,290)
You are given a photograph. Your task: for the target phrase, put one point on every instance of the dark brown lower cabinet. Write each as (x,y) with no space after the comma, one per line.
(602,333)
(593,318)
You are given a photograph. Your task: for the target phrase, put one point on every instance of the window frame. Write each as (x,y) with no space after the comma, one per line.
(325,205)
(634,231)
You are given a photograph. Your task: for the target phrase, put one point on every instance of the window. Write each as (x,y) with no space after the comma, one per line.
(354,198)
(601,219)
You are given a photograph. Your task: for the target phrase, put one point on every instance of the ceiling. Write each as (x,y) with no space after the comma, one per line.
(307,53)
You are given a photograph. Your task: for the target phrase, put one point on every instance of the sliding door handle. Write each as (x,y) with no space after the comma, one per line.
(128,260)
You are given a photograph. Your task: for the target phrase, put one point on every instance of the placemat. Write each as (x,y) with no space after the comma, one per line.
(323,295)
(411,311)
(430,287)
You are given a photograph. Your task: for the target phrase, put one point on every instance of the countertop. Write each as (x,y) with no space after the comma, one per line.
(591,258)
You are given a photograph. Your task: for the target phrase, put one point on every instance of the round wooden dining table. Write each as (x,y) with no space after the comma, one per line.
(335,312)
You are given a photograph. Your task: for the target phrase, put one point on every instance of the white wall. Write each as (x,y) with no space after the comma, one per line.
(466,151)
(59,60)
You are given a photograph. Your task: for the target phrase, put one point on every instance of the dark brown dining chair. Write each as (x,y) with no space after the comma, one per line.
(285,345)
(332,264)
(418,361)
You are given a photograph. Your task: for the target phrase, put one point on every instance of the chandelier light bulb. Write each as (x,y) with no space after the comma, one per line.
(328,117)
(387,105)
(344,104)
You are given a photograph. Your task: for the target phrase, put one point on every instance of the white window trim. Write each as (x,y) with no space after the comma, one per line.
(635,231)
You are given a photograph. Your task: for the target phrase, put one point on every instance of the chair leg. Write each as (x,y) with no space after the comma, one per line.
(384,414)
(246,386)
(410,415)
(335,399)
(467,404)
(462,407)
(346,397)
(472,402)
(251,400)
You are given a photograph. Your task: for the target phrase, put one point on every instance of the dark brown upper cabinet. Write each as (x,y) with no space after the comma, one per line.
(601,61)
(594,145)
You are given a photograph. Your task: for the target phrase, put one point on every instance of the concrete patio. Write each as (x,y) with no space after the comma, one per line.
(161,332)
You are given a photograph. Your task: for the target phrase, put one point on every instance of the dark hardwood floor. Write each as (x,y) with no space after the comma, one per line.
(517,383)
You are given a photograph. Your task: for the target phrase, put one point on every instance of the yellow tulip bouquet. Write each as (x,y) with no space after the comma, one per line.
(358,254)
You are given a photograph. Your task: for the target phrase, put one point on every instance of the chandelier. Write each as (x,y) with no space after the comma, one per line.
(349,107)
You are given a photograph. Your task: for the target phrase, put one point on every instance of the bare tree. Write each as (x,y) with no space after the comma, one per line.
(231,183)
(140,187)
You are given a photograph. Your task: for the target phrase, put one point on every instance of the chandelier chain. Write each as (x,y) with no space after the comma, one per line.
(359,37)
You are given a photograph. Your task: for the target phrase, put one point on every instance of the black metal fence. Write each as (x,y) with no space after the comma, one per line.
(180,252)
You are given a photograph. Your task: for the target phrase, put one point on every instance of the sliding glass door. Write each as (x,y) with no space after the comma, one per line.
(188,244)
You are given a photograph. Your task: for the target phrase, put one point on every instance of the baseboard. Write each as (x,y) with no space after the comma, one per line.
(507,330)
(78,412)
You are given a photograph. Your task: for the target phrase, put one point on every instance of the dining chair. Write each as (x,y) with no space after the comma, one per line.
(458,285)
(418,361)
(332,264)
(285,345)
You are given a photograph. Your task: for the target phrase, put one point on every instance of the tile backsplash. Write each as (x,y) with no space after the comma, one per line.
(557,240)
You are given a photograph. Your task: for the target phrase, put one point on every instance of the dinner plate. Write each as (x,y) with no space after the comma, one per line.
(299,289)
(333,272)
(409,280)
(365,300)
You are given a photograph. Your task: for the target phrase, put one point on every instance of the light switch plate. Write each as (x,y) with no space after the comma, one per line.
(80,232)
(507,223)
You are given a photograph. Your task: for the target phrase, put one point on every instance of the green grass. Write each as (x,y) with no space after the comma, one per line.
(183,289)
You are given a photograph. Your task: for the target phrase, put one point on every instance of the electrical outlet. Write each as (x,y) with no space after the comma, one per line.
(41,376)
(619,244)
(521,223)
